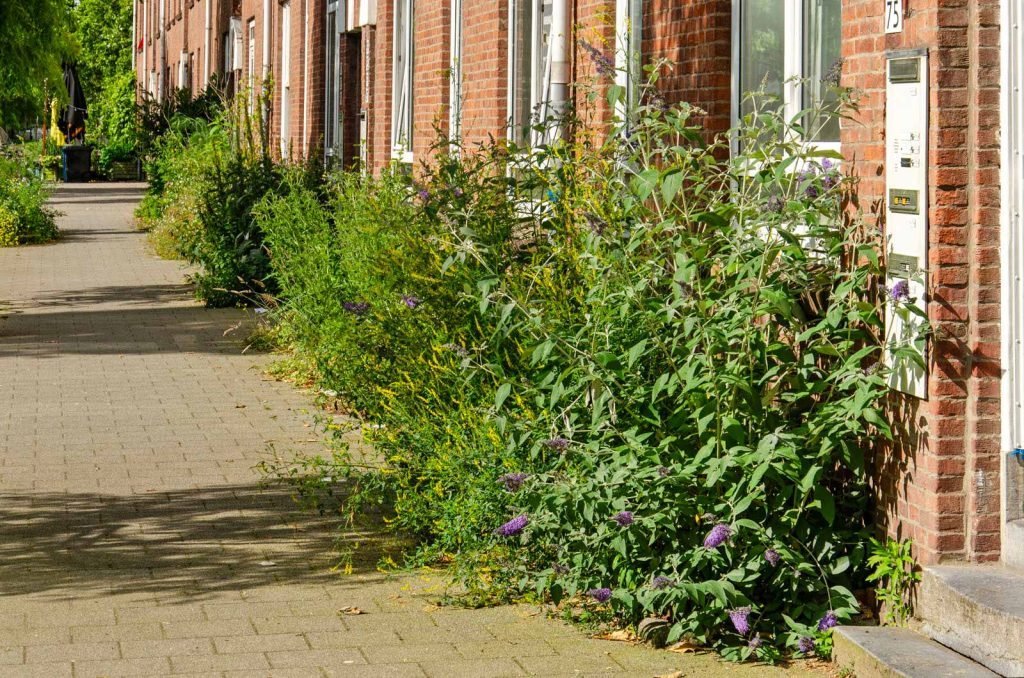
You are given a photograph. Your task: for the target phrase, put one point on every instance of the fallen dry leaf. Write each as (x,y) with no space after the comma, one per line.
(674,674)
(684,647)
(622,636)
(350,610)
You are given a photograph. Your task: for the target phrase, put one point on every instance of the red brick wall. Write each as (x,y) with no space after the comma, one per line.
(940,486)
(379,135)
(695,37)
(484,70)
(431,74)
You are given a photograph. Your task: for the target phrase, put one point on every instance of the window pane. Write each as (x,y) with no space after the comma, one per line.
(522,45)
(762,49)
(330,82)
(822,62)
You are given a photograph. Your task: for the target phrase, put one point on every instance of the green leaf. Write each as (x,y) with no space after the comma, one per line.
(501,395)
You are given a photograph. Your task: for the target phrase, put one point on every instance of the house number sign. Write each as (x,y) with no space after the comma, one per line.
(893,16)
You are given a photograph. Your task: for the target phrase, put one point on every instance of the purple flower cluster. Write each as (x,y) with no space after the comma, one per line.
(754,642)
(718,535)
(805,645)
(357,307)
(424,194)
(558,444)
(900,291)
(740,618)
(834,73)
(514,526)
(600,595)
(827,622)
(775,204)
(410,301)
(624,518)
(773,557)
(661,582)
(604,65)
(513,482)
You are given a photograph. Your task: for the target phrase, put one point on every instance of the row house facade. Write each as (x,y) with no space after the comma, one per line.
(371,82)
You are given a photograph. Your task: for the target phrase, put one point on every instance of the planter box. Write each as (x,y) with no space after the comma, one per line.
(124,170)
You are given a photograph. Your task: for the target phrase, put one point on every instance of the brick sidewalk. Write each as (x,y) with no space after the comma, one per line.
(135,537)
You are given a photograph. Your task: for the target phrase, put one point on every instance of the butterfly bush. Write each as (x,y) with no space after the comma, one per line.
(705,327)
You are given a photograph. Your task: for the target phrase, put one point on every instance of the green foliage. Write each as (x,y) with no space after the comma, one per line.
(34,40)
(103,30)
(178,170)
(24,217)
(207,178)
(896,574)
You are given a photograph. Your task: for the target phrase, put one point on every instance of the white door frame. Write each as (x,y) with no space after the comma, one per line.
(1011,248)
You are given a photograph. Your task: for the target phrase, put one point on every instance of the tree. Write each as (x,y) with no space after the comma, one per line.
(34,41)
(103,30)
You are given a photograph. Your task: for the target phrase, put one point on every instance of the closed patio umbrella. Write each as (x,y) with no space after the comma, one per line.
(72,118)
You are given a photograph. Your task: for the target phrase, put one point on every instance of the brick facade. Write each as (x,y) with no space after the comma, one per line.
(940,485)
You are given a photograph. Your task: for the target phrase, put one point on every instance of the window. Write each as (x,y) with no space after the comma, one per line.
(531,46)
(629,19)
(286,78)
(402,102)
(252,66)
(455,74)
(332,120)
(777,41)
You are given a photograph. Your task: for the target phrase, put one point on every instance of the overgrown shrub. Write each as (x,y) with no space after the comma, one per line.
(178,171)
(641,372)
(24,217)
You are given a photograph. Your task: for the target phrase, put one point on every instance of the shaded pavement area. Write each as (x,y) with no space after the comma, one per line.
(137,537)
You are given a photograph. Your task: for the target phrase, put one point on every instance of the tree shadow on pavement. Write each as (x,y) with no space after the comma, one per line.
(196,542)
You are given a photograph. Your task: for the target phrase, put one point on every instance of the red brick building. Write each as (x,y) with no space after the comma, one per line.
(374,79)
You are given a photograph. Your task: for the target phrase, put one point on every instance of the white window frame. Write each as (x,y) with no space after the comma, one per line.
(403,57)
(332,77)
(251,29)
(286,78)
(455,74)
(629,20)
(539,76)
(793,94)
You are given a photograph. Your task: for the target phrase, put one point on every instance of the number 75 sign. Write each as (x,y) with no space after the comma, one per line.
(893,16)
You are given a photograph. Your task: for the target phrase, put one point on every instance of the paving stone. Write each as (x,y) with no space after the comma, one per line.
(42,654)
(85,634)
(264,643)
(473,668)
(408,653)
(166,647)
(48,670)
(219,662)
(313,658)
(124,668)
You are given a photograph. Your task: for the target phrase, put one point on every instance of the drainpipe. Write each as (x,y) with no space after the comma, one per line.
(266,38)
(560,61)
(208,43)
(145,46)
(135,35)
(305,80)
(160,84)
